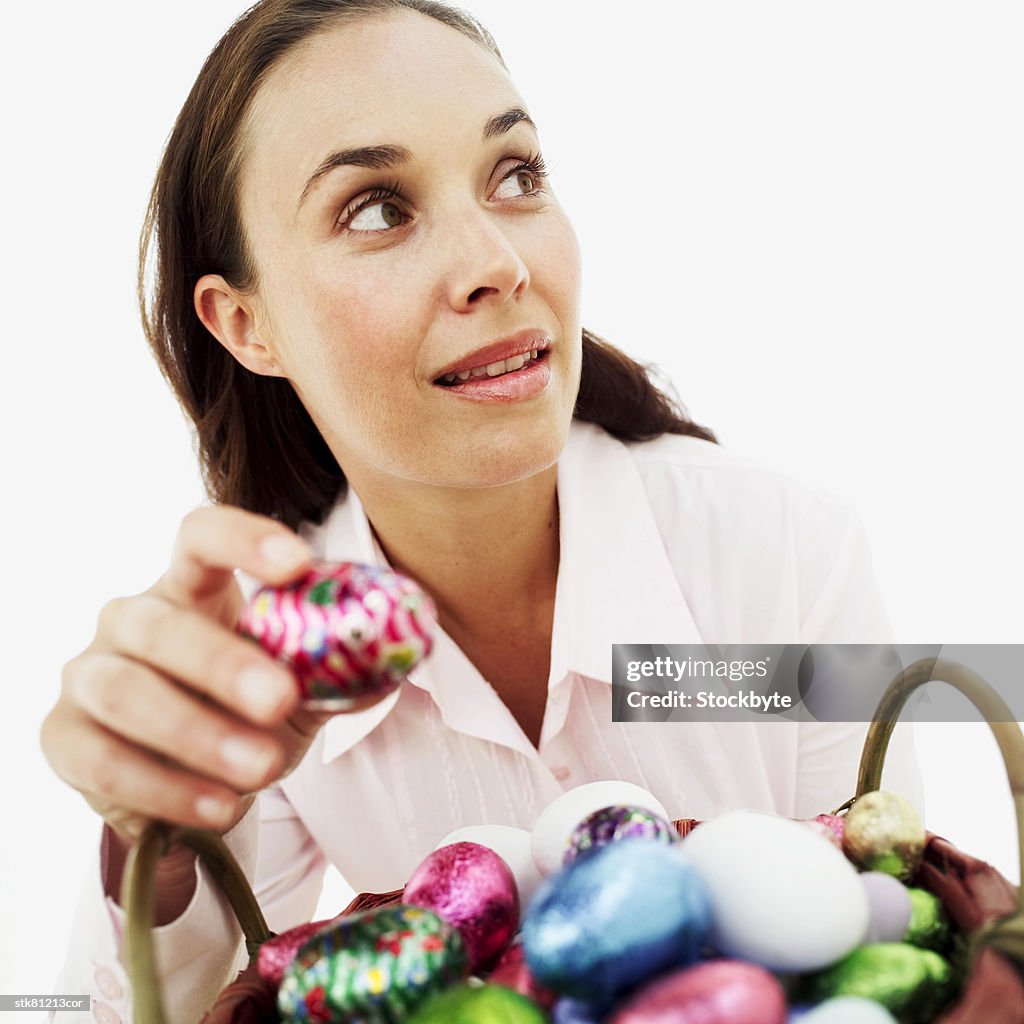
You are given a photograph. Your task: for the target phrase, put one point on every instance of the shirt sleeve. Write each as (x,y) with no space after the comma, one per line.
(202,950)
(848,609)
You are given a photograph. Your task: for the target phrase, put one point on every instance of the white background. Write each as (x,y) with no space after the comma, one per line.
(808,214)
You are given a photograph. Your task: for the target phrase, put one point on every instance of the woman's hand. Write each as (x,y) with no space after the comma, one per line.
(169,713)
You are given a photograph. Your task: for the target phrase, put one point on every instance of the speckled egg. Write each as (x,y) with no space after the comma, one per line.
(557,822)
(472,888)
(512,845)
(621,821)
(614,918)
(716,992)
(781,896)
(372,968)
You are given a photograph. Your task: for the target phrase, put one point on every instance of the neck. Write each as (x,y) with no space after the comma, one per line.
(481,553)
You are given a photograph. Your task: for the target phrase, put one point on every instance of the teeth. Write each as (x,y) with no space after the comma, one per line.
(493,369)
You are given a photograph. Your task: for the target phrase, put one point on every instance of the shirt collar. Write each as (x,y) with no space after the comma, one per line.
(615,585)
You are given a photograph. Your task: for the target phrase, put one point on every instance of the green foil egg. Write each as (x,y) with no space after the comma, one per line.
(372,968)
(929,926)
(479,1004)
(912,984)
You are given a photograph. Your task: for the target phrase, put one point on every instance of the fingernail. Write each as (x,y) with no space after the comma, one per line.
(238,752)
(213,809)
(284,550)
(261,692)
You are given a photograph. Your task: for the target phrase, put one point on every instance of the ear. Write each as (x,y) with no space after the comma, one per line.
(231,319)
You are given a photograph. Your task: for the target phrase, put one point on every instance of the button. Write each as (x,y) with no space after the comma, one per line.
(105,1014)
(106,981)
(561,772)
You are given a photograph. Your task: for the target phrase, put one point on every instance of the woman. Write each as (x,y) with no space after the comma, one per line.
(367,299)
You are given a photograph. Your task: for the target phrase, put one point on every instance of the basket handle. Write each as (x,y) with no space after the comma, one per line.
(138,896)
(1007,935)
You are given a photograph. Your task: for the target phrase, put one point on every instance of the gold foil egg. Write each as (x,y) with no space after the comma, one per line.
(884,833)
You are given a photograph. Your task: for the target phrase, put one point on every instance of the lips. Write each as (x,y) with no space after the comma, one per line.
(507,355)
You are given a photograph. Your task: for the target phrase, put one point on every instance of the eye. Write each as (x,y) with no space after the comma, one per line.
(525,180)
(376,215)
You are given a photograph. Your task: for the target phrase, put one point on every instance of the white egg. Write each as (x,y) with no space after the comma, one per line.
(845,1010)
(557,821)
(888,905)
(512,845)
(780,896)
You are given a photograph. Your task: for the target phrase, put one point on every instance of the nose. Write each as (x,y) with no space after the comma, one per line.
(485,263)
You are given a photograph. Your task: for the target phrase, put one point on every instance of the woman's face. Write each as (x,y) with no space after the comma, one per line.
(403,233)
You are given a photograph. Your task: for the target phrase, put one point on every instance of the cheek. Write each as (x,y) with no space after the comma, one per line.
(559,261)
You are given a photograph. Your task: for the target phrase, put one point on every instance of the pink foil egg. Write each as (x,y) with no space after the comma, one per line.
(277,953)
(715,992)
(473,889)
(345,630)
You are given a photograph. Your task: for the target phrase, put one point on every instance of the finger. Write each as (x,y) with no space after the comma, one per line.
(111,772)
(215,540)
(138,704)
(201,653)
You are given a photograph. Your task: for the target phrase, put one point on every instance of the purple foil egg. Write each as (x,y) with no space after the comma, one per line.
(473,889)
(620,821)
(716,992)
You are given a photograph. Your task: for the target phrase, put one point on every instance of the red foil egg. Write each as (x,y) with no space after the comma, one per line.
(345,630)
(513,972)
(473,889)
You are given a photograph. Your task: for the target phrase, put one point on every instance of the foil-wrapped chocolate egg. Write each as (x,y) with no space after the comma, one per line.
(372,968)
(716,992)
(345,630)
(511,844)
(472,888)
(278,952)
(479,1004)
(614,918)
(912,984)
(929,924)
(556,823)
(621,821)
(512,972)
(884,833)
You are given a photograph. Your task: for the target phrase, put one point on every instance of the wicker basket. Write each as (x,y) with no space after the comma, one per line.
(983,905)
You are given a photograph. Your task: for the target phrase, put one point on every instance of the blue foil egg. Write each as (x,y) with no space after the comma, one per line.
(611,919)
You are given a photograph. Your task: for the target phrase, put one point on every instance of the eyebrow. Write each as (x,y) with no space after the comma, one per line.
(384,156)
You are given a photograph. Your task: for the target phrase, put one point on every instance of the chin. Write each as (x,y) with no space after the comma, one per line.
(498,462)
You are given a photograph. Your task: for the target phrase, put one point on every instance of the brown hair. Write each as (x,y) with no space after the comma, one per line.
(258,447)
